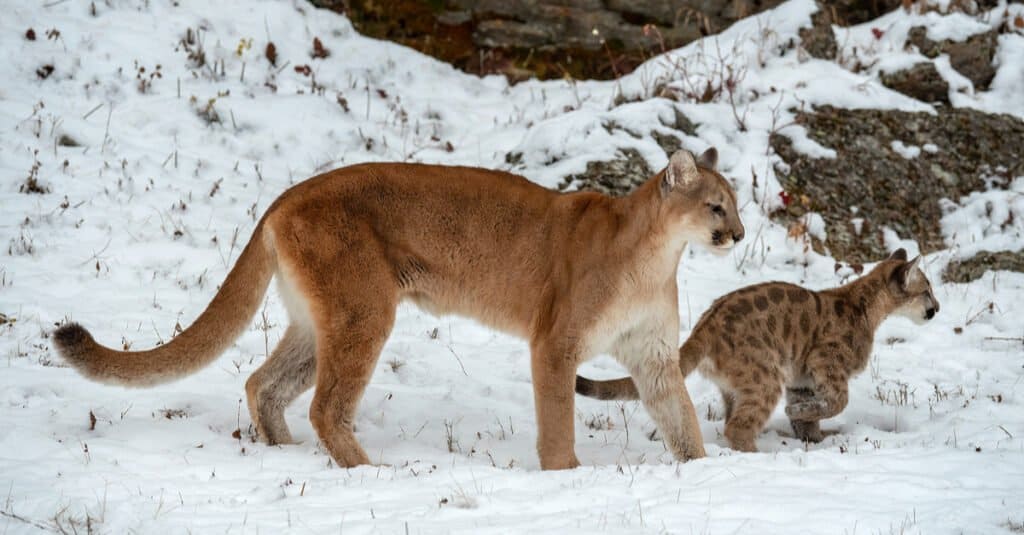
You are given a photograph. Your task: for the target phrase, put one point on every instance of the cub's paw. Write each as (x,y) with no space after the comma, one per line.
(807,431)
(807,410)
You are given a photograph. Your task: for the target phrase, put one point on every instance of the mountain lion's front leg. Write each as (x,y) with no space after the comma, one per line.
(805,430)
(653,362)
(831,392)
(553,364)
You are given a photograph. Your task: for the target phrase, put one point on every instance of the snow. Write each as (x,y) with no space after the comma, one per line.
(815,225)
(986,221)
(151,208)
(907,151)
(861,48)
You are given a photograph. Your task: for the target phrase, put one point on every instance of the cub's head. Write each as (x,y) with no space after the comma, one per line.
(701,200)
(910,288)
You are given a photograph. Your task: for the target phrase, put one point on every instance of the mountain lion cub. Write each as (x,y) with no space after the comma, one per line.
(576,274)
(759,339)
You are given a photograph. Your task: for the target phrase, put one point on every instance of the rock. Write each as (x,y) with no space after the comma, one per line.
(333,5)
(547,39)
(454,18)
(971,58)
(850,12)
(820,41)
(668,143)
(974,151)
(973,268)
(921,81)
(614,177)
(682,123)
(946,177)
(498,33)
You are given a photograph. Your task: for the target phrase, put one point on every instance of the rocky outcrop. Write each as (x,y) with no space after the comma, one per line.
(891,169)
(598,39)
(973,268)
(921,81)
(616,177)
(628,169)
(971,58)
(820,41)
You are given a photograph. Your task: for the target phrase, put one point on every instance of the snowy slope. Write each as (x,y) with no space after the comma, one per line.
(155,182)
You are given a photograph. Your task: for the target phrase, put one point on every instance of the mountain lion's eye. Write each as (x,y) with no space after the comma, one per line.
(717,209)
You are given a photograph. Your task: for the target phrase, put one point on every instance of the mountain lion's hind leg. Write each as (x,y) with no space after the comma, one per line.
(349,339)
(752,407)
(288,372)
(727,401)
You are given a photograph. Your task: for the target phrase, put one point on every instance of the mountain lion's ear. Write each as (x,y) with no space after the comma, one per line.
(681,170)
(899,254)
(709,159)
(907,274)
(913,276)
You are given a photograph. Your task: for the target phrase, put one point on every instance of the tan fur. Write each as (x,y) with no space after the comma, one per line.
(759,339)
(575,274)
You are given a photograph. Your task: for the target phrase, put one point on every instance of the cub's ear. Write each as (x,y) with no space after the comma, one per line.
(908,274)
(914,273)
(899,254)
(709,159)
(681,170)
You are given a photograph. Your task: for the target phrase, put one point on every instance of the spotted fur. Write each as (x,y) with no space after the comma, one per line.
(758,341)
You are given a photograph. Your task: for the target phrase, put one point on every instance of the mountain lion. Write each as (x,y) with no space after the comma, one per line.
(575,274)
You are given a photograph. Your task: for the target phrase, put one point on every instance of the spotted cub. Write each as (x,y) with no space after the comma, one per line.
(756,341)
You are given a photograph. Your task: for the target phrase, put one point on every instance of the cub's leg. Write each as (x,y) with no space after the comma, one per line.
(553,366)
(288,372)
(727,400)
(805,430)
(830,386)
(752,407)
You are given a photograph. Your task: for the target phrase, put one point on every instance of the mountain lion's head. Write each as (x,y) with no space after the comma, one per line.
(701,200)
(909,288)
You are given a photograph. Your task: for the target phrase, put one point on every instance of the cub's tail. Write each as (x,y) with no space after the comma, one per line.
(212,332)
(624,388)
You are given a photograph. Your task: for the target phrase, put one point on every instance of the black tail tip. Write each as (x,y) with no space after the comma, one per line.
(584,386)
(70,338)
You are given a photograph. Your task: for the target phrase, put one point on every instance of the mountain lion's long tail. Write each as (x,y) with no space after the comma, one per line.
(624,388)
(212,332)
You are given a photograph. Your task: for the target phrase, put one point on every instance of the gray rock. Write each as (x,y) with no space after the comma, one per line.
(947,178)
(615,177)
(971,58)
(976,150)
(921,81)
(973,268)
(820,41)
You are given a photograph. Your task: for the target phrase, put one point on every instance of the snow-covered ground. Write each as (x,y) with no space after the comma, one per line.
(155,181)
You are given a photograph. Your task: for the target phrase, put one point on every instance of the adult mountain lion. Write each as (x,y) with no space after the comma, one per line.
(576,274)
